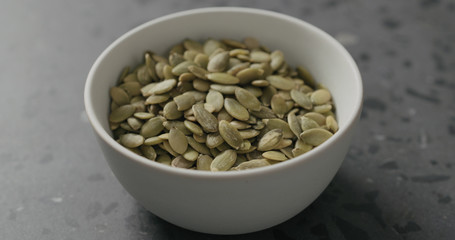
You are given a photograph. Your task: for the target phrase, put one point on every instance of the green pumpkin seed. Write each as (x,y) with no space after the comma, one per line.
(153,141)
(219,62)
(131,140)
(207,120)
(121,113)
(198,71)
(306,76)
(193,127)
(177,124)
(315,136)
(280,82)
(201,60)
(132,88)
(177,140)
(276,123)
(267,95)
(307,123)
(240,125)
(249,133)
(181,162)
(259,56)
(235,109)
(211,45)
(223,161)
(317,117)
(190,154)
(247,99)
(167,147)
(301,99)
(236,68)
(162,87)
(230,134)
(294,123)
(164,159)
(182,67)
(278,105)
(199,147)
(171,112)
(323,108)
(331,123)
(265,112)
(275,155)
(134,123)
(214,140)
(156,99)
(249,74)
(216,99)
(222,78)
(277,59)
(255,163)
(270,140)
(224,89)
(203,162)
(184,101)
(119,96)
(152,127)
(233,43)
(148,152)
(260,83)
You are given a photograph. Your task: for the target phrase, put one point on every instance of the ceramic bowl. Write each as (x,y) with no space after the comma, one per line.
(237,201)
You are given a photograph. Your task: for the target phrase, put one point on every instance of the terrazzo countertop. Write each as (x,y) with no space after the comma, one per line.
(397,181)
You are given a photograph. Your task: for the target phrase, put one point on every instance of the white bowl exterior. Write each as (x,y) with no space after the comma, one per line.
(231,202)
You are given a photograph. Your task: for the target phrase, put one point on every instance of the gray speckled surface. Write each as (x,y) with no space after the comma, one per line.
(397,182)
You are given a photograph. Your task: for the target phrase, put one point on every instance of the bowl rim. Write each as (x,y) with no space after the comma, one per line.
(96,125)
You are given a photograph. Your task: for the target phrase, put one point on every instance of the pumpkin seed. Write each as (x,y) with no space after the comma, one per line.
(281,82)
(177,140)
(203,162)
(177,124)
(121,113)
(240,125)
(306,76)
(225,89)
(190,44)
(270,140)
(152,127)
(331,123)
(208,122)
(164,159)
(184,101)
(222,78)
(230,134)
(219,62)
(214,140)
(223,161)
(274,155)
(301,99)
(134,123)
(119,96)
(131,140)
(224,115)
(199,147)
(259,56)
(264,112)
(278,105)
(236,68)
(250,133)
(162,87)
(190,154)
(181,162)
(153,141)
(294,123)
(216,99)
(247,99)
(267,95)
(255,163)
(307,123)
(211,45)
(171,112)
(233,43)
(156,99)
(235,109)
(193,127)
(315,136)
(277,59)
(322,108)
(260,83)
(317,117)
(276,123)
(148,152)
(247,75)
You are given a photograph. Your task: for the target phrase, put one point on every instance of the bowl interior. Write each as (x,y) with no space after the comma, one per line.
(302,44)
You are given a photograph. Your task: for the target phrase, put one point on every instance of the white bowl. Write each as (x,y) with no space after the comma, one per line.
(229,202)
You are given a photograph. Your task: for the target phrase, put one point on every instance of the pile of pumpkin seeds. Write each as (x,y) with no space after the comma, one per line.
(220,105)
